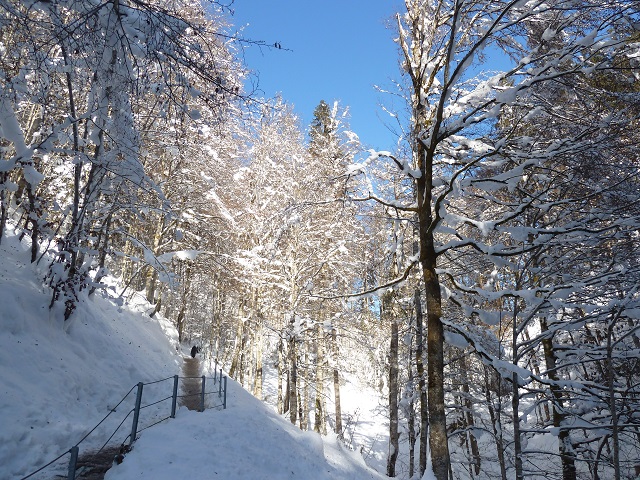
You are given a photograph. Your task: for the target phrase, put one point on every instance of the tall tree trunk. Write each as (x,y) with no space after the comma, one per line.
(287,394)
(242,357)
(152,274)
(320,424)
(438,441)
(281,408)
(103,246)
(293,381)
(468,415)
(567,457)
(304,379)
(235,361)
(611,376)
(34,215)
(515,397)
(180,320)
(496,424)
(258,378)
(336,384)
(394,446)
(411,416)
(424,407)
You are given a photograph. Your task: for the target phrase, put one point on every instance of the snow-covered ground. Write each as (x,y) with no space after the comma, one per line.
(58,381)
(247,440)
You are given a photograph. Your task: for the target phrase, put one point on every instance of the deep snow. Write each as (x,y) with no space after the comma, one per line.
(59,380)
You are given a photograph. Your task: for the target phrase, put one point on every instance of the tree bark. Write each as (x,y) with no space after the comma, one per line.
(496,424)
(567,457)
(468,416)
(304,378)
(611,375)
(258,378)
(319,424)
(183,305)
(424,407)
(281,408)
(515,398)
(293,381)
(438,442)
(336,384)
(411,415)
(394,446)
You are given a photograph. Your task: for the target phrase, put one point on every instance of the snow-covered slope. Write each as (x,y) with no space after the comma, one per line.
(58,381)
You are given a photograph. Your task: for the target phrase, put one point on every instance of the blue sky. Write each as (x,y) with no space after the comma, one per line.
(340,49)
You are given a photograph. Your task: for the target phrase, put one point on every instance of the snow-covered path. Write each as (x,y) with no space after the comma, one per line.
(191,387)
(245,441)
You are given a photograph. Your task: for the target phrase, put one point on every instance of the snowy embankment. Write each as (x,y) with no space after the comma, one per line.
(58,381)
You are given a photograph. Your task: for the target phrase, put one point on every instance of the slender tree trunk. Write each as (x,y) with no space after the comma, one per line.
(319,424)
(257,384)
(496,424)
(424,407)
(180,320)
(293,381)
(438,441)
(242,357)
(304,408)
(103,243)
(611,376)
(34,215)
(235,361)
(567,457)
(468,415)
(152,275)
(336,384)
(411,417)
(394,446)
(515,399)
(287,393)
(281,408)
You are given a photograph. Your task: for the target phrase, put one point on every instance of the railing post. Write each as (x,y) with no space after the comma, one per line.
(71,475)
(215,373)
(136,414)
(202,395)
(220,385)
(224,401)
(174,398)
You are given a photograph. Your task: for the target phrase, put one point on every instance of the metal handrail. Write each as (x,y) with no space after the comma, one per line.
(73,451)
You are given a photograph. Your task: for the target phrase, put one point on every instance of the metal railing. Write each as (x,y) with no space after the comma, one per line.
(153,419)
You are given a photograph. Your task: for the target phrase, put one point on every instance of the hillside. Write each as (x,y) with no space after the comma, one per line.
(59,381)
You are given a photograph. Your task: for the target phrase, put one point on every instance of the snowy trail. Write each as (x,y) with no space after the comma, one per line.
(191,387)
(248,440)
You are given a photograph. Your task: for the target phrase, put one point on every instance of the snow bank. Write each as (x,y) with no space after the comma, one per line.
(56,384)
